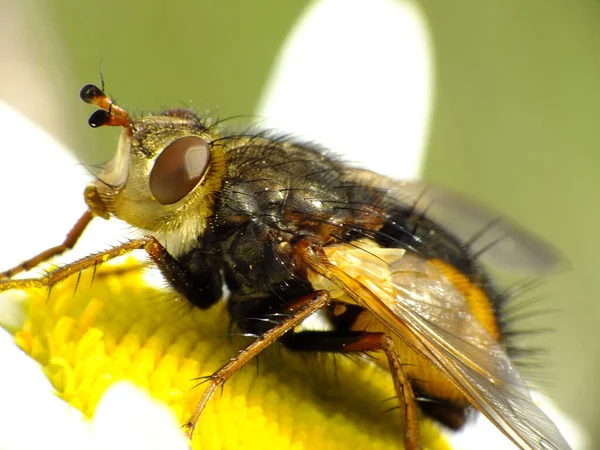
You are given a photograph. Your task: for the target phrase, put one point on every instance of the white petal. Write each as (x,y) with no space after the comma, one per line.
(31,416)
(355,76)
(128,418)
(38,204)
(41,188)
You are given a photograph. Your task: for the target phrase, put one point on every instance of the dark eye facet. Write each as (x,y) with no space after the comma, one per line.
(178,169)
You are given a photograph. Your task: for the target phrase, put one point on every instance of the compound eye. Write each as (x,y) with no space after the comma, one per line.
(178,169)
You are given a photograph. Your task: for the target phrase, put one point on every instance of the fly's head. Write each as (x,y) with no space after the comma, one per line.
(164,175)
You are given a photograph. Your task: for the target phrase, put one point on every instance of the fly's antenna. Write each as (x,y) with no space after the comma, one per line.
(109,114)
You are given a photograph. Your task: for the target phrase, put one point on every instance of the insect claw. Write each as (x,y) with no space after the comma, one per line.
(49,292)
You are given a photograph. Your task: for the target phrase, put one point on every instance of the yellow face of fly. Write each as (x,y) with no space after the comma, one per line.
(162,178)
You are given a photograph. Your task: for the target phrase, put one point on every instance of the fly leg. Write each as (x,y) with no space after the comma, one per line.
(197,288)
(297,312)
(154,249)
(359,342)
(69,242)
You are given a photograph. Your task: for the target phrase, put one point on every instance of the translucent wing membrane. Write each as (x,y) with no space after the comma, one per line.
(494,240)
(419,305)
(502,243)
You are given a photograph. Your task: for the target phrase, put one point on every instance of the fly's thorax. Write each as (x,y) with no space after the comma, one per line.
(163,178)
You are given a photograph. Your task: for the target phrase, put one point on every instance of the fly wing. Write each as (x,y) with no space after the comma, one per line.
(418,304)
(496,241)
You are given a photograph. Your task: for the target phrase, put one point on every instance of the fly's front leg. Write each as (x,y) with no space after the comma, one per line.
(72,237)
(297,312)
(154,249)
(359,342)
(192,286)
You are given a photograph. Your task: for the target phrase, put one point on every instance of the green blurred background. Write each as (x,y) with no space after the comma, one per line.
(514,119)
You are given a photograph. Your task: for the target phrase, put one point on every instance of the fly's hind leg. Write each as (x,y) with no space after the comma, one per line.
(359,342)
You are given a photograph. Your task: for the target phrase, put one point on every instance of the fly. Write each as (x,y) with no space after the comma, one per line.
(396,267)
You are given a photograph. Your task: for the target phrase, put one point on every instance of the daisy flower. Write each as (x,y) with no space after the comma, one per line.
(112,360)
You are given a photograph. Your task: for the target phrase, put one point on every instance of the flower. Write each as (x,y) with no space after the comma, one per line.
(112,347)
(122,327)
